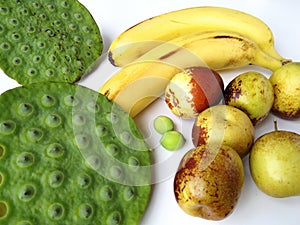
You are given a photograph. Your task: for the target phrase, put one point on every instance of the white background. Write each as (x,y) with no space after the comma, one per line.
(254,207)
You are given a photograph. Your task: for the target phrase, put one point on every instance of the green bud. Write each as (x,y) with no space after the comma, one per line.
(162,124)
(172,140)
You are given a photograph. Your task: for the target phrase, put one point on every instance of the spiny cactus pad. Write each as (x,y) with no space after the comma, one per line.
(46,40)
(69,156)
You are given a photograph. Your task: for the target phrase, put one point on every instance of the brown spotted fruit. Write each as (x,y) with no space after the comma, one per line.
(225,125)
(193,90)
(209,181)
(251,92)
(286,84)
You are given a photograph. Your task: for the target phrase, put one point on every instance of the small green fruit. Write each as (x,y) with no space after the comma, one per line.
(172,140)
(252,93)
(162,124)
(275,163)
(286,84)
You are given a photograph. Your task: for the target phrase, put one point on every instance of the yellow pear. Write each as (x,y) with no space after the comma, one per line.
(251,92)
(226,125)
(286,84)
(275,163)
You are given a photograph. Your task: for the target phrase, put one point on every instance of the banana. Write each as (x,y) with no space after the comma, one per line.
(138,84)
(140,38)
(218,50)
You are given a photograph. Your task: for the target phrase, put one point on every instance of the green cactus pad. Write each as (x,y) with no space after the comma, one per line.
(69,156)
(46,40)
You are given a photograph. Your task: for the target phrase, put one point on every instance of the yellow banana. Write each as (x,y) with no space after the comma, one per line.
(138,84)
(218,50)
(137,40)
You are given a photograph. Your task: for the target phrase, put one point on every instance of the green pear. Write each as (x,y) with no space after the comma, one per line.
(275,163)
(251,92)
(286,84)
(209,181)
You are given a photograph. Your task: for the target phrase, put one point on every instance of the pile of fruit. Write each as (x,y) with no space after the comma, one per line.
(183,62)
(75,156)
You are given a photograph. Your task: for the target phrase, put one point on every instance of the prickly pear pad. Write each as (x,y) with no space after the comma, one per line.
(46,40)
(69,156)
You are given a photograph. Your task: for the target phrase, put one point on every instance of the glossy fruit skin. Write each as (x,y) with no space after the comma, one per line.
(275,163)
(286,84)
(209,181)
(172,140)
(225,124)
(251,92)
(193,90)
(163,124)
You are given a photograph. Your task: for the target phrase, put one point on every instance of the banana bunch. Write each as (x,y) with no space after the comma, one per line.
(153,51)
(137,40)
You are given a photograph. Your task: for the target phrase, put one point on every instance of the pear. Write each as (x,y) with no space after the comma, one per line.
(251,92)
(226,125)
(286,84)
(209,181)
(275,163)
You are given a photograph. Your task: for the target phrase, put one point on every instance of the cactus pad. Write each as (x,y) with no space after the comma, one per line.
(69,156)
(45,40)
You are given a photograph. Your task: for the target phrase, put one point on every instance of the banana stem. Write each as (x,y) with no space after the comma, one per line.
(264,60)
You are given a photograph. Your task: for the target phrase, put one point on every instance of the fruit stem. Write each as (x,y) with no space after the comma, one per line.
(275,125)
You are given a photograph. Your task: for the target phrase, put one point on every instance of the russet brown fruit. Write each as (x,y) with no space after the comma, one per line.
(193,90)
(209,181)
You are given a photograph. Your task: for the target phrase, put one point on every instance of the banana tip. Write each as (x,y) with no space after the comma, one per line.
(111,59)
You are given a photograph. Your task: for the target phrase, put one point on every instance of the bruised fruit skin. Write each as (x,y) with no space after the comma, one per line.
(286,84)
(209,181)
(225,125)
(252,93)
(193,90)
